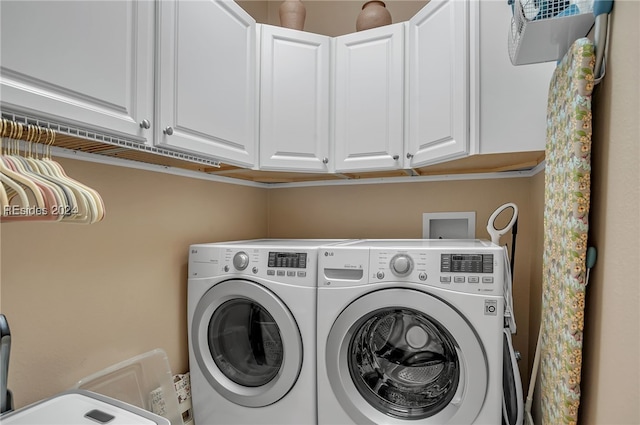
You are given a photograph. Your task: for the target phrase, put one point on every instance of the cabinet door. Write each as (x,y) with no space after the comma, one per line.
(512,99)
(438,89)
(82,63)
(294,100)
(207,79)
(369,99)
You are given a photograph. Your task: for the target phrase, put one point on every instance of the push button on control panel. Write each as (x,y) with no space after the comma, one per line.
(288,273)
(487,279)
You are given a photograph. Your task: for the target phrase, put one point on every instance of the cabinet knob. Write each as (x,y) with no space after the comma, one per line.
(325,160)
(396,157)
(168,131)
(409,156)
(145,124)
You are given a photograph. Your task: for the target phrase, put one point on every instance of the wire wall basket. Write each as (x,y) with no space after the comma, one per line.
(543,30)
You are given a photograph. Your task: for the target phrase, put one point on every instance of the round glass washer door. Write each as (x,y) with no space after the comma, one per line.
(247,343)
(401,355)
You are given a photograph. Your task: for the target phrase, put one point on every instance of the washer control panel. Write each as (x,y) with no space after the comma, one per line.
(460,270)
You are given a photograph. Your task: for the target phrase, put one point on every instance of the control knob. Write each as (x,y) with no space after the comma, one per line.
(240,260)
(401,265)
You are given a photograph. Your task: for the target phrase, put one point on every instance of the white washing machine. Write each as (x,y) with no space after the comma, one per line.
(251,329)
(410,332)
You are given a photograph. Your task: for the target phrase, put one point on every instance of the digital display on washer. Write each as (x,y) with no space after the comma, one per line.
(466,263)
(292,260)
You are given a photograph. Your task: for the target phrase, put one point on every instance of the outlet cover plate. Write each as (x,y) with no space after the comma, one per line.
(449,225)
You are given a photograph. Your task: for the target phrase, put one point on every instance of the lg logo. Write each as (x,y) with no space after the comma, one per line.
(328,254)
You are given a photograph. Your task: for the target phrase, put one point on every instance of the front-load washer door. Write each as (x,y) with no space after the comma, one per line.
(401,355)
(247,343)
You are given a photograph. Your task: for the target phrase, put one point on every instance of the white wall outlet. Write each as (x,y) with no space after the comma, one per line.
(449,225)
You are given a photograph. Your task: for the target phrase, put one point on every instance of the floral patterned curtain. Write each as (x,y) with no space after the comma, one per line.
(567,196)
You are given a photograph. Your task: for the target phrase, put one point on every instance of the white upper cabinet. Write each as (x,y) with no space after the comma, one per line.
(369,99)
(207,80)
(84,63)
(201,77)
(294,100)
(438,83)
(512,99)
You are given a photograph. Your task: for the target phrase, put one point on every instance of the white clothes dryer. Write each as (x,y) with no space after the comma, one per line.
(410,332)
(251,330)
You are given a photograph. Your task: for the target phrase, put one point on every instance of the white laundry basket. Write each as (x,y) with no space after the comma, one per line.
(543,30)
(144,381)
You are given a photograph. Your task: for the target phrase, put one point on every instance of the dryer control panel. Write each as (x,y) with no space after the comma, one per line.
(291,265)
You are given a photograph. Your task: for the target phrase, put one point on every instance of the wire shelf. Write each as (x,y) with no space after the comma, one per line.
(104,144)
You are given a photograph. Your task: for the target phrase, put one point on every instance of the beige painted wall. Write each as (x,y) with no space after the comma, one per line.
(82,297)
(395,211)
(611,359)
(330,17)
